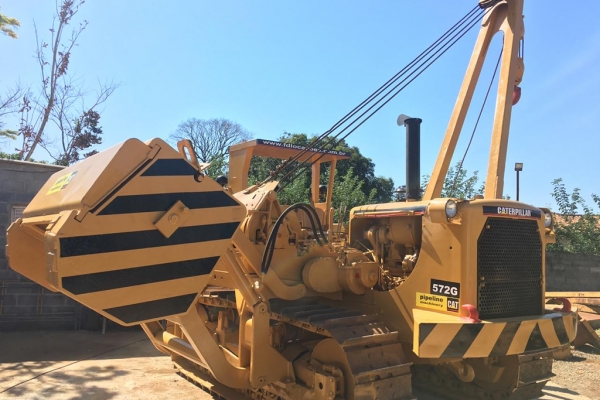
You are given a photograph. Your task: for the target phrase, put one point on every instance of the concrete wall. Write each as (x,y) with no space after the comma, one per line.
(24,304)
(572,272)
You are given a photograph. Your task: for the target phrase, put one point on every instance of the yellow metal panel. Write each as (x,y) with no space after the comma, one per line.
(26,255)
(548,332)
(90,179)
(519,342)
(569,327)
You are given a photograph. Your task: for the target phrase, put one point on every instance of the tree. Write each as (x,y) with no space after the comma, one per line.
(6,23)
(211,139)
(348,192)
(80,136)
(460,184)
(576,226)
(61,98)
(9,103)
(298,191)
(77,123)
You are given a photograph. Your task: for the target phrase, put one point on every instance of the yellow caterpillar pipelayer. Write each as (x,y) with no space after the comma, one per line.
(253,298)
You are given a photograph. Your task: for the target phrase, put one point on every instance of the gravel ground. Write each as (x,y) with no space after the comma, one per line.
(580,372)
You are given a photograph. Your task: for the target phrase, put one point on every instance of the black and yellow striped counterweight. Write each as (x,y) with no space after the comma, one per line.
(132,233)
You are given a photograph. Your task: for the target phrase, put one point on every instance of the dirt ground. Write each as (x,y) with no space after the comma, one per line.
(124,365)
(88,365)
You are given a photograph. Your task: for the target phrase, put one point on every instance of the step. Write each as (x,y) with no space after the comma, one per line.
(305,315)
(349,321)
(320,319)
(293,311)
(369,339)
(371,328)
(278,304)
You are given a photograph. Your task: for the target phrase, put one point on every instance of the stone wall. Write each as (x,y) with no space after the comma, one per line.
(24,304)
(566,272)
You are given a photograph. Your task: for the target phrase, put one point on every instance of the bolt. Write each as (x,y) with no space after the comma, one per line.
(173,218)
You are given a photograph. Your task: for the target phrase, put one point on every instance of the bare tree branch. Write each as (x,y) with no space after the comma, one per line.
(76,121)
(9,104)
(211,138)
(60,62)
(61,105)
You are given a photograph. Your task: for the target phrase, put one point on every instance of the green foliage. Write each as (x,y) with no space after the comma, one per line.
(6,23)
(217,167)
(458,183)
(8,133)
(16,156)
(577,227)
(347,191)
(9,156)
(84,133)
(296,192)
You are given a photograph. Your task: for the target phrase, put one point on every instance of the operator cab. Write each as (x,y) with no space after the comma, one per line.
(240,156)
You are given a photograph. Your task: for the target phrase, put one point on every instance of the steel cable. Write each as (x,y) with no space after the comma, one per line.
(383,87)
(300,169)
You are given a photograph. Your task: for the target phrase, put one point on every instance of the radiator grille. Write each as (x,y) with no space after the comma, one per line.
(509,269)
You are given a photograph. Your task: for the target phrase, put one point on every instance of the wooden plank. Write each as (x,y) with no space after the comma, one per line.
(573,294)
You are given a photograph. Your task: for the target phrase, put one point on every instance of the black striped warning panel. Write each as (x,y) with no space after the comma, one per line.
(472,340)
(154,309)
(111,242)
(170,167)
(163,201)
(128,277)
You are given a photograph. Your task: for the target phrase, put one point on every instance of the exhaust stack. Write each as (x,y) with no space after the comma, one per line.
(413,158)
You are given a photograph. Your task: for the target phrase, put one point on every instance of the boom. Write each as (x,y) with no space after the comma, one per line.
(508,18)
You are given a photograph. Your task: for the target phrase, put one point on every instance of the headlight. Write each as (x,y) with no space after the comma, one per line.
(547,220)
(451,209)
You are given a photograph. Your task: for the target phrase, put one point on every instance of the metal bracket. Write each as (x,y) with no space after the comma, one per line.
(173,219)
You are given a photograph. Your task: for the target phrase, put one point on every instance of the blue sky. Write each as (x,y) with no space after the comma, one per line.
(277,66)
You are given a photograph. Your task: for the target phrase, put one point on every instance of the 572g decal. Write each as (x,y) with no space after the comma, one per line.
(445,288)
(447,295)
